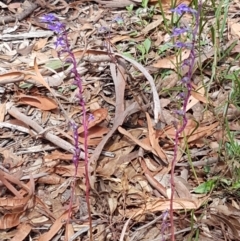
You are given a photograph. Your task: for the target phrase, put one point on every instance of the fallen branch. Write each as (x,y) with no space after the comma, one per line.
(28,8)
(47,135)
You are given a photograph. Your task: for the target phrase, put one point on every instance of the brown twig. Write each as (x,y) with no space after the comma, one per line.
(28,8)
(47,135)
(204,162)
(117,4)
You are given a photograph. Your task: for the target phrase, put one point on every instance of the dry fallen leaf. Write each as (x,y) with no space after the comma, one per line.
(158,204)
(69,170)
(98,116)
(22,232)
(152,25)
(43,103)
(172,62)
(118,38)
(154,140)
(40,44)
(196,96)
(95,135)
(234,29)
(54,228)
(11,77)
(10,220)
(2,111)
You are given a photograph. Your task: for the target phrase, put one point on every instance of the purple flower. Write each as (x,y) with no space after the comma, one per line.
(164,224)
(186,62)
(69,60)
(179,44)
(90,117)
(48,18)
(182,95)
(54,23)
(179,31)
(183,8)
(103,29)
(185,80)
(118,19)
(74,126)
(60,42)
(180,112)
(57,27)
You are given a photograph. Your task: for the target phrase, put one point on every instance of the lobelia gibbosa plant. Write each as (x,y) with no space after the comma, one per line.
(63,47)
(186,83)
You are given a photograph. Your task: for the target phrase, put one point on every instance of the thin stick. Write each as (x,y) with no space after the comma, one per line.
(47,135)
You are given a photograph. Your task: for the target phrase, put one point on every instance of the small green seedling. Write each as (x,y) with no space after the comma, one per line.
(145,3)
(164,47)
(205,187)
(130,9)
(144,49)
(128,54)
(56,64)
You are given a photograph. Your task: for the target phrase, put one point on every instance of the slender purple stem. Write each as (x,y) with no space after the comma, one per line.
(62,41)
(186,80)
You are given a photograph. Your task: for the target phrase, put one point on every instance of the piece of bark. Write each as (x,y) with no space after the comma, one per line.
(28,8)
(118,4)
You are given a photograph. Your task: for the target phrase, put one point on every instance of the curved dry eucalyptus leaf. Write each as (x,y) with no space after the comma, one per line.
(157,106)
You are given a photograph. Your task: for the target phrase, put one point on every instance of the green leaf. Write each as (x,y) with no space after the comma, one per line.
(147,44)
(205,187)
(163,48)
(141,49)
(73,87)
(145,3)
(232,76)
(60,89)
(133,34)
(236,185)
(127,54)
(138,12)
(130,8)
(226,181)
(56,64)
(26,85)
(206,169)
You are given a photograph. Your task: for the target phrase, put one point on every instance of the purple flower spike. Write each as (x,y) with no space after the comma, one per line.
(57,27)
(183,8)
(179,44)
(179,31)
(60,30)
(49,18)
(186,83)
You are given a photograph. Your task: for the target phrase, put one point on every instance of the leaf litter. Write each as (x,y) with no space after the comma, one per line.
(130,136)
